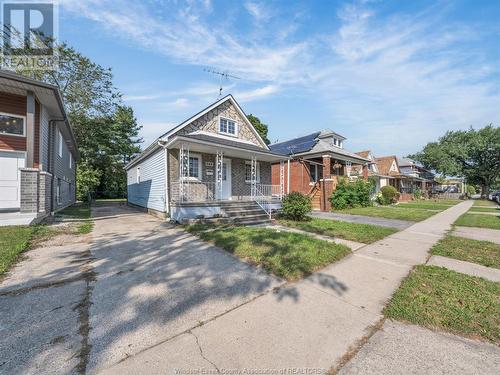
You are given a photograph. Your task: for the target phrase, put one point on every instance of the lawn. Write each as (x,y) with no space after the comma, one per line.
(80,212)
(480,252)
(425,206)
(484,203)
(110,200)
(438,298)
(478,220)
(288,255)
(16,239)
(364,233)
(484,209)
(391,212)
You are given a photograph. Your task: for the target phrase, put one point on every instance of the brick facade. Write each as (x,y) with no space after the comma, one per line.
(29,190)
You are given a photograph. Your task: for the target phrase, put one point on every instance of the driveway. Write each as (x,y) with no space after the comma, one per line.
(82,307)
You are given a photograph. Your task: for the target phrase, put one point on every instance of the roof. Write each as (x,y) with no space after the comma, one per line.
(296,145)
(364,154)
(47,94)
(384,164)
(172,132)
(229,142)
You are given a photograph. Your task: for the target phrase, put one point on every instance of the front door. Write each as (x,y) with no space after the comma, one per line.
(10,162)
(225,194)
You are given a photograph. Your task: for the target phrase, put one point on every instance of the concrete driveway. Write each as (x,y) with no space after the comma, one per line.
(82,307)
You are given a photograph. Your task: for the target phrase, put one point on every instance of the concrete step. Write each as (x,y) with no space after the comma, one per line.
(239,213)
(254,222)
(260,216)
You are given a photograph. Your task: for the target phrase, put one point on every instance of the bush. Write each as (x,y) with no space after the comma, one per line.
(417,194)
(471,190)
(352,194)
(296,206)
(389,195)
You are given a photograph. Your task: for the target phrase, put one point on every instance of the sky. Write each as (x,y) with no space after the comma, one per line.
(390,76)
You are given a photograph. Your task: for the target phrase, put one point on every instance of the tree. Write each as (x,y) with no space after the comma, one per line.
(106,131)
(261,128)
(473,154)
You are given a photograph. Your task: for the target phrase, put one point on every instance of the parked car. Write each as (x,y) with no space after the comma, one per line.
(493,196)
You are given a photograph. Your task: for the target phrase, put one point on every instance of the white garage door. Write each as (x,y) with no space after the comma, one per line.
(10,162)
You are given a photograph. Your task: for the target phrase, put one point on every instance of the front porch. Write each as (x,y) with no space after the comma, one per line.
(220,178)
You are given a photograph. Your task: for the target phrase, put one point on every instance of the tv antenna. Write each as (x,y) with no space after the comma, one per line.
(222,76)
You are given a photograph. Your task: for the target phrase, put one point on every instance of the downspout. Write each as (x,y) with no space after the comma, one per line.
(50,166)
(288,178)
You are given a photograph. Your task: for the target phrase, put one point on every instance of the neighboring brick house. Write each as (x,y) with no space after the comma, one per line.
(316,161)
(202,165)
(38,152)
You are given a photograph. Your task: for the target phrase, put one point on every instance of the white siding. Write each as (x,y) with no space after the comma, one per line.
(150,191)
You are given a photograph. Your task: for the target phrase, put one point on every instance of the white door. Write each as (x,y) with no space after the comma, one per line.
(10,176)
(226,180)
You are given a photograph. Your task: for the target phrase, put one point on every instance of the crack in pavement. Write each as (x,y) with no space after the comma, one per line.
(202,354)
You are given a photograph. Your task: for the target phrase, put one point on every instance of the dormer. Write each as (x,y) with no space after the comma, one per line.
(332,138)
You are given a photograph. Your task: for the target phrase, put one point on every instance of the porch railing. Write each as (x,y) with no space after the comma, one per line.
(267,195)
(193,191)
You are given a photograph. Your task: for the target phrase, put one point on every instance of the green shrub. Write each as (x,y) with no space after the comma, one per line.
(296,206)
(352,194)
(471,190)
(417,194)
(389,195)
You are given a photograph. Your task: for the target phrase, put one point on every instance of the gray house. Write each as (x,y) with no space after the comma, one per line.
(214,164)
(38,152)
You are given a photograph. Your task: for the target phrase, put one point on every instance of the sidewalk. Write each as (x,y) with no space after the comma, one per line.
(309,324)
(479,234)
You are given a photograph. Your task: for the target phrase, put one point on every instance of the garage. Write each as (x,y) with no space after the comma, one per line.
(10,162)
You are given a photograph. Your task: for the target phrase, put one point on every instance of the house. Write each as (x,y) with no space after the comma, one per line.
(213,165)
(404,175)
(38,151)
(316,161)
(374,171)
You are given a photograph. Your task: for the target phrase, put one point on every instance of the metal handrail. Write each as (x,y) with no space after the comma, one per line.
(264,195)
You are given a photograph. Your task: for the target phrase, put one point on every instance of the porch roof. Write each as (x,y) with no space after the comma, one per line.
(210,144)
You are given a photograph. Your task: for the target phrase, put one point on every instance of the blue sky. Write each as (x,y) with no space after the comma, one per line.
(388,75)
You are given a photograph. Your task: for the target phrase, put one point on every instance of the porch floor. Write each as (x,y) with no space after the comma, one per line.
(16,218)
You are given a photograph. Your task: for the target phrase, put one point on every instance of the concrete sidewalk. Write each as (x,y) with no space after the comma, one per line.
(468,268)
(479,234)
(309,324)
(381,221)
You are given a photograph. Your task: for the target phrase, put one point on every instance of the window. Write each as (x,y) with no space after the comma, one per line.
(11,125)
(58,191)
(248,172)
(138,175)
(316,172)
(227,126)
(340,143)
(60,143)
(194,166)
(335,141)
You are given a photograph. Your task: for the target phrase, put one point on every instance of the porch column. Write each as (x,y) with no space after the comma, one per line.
(183,172)
(327,167)
(30,129)
(365,172)
(282,179)
(219,172)
(253,178)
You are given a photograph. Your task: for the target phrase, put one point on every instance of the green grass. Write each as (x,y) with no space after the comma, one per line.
(364,233)
(81,212)
(424,206)
(288,255)
(438,298)
(14,240)
(391,212)
(110,200)
(480,252)
(484,209)
(444,201)
(484,203)
(478,220)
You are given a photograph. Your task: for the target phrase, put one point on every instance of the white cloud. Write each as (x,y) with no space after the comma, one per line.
(390,83)
(261,92)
